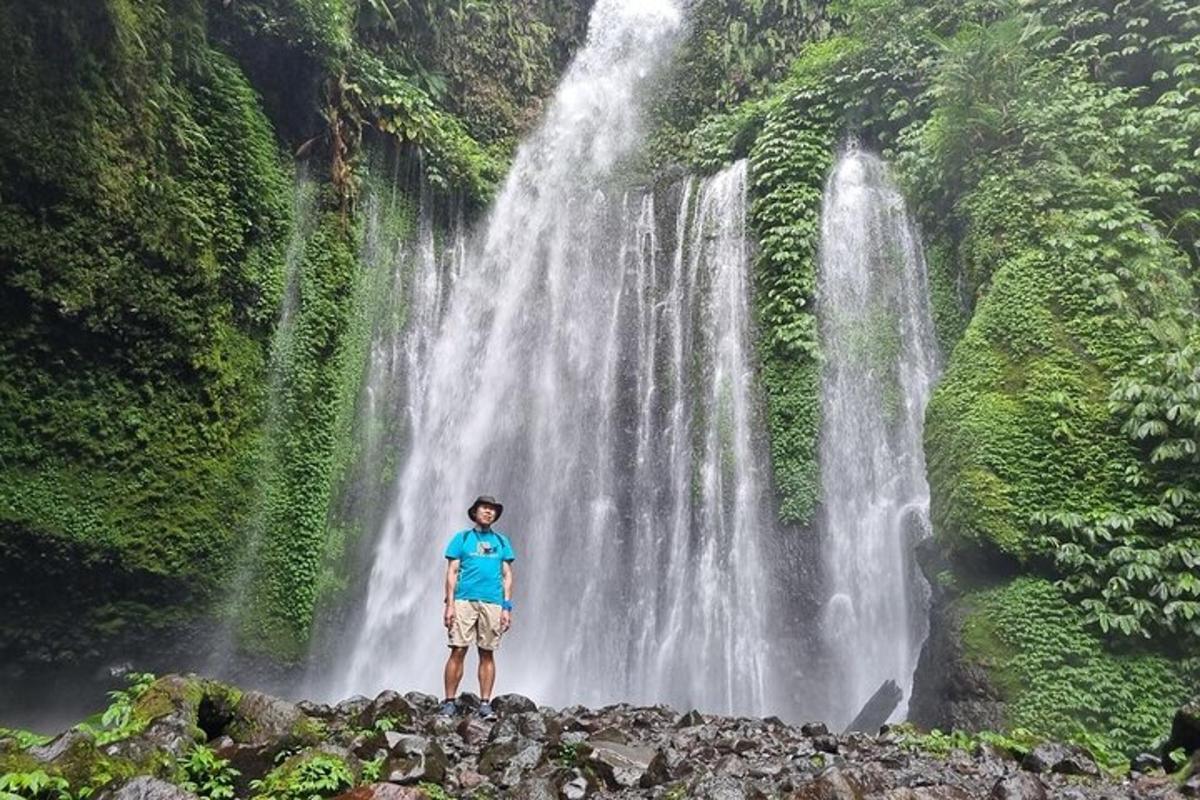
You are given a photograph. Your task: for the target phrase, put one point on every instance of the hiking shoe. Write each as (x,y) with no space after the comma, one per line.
(485,710)
(448,709)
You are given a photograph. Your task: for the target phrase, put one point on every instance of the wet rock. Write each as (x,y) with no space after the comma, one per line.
(383,791)
(723,787)
(1145,762)
(261,718)
(63,746)
(322,711)
(623,766)
(145,787)
(812,729)
(1062,759)
(613,735)
(507,762)
(1019,786)
(388,705)
(941,792)
(878,708)
(576,787)
(252,761)
(838,783)
(351,708)
(474,731)
(691,719)
(470,779)
(413,759)
(826,743)
(513,704)
(1185,733)
(534,787)
(422,702)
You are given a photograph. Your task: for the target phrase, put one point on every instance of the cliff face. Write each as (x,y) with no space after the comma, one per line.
(149,213)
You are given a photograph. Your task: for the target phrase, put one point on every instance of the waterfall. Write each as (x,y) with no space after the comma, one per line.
(590,363)
(880,363)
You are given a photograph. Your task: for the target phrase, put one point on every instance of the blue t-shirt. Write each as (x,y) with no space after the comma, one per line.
(480,554)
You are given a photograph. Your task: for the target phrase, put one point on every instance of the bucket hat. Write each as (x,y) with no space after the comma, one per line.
(485,500)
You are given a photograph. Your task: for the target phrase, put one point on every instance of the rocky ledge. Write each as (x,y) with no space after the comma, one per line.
(185,737)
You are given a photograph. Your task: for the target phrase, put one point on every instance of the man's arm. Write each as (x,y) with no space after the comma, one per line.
(506,575)
(451,583)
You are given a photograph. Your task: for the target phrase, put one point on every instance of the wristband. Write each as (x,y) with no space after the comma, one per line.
(506,605)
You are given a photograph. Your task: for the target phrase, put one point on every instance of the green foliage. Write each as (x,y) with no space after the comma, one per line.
(24,739)
(433,791)
(733,51)
(312,372)
(308,776)
(144,210)
(36,785)
(208,777)
(118,721)
(402,108)
(567,755)
(371,770)
(1061,681)
(788,163)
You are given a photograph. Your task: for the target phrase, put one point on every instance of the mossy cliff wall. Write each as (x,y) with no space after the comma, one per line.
(147,216)
(1050,155)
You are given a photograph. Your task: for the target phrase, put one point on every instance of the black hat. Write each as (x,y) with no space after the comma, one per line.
(485,500)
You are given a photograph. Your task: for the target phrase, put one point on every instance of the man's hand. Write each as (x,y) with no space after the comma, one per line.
(448,615)
(505,621)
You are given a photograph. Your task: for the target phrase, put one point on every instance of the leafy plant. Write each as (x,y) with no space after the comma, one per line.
(304,777)
(208,776)
(118,721)
(35,785)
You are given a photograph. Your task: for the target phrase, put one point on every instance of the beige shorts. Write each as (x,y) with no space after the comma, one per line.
(475,623)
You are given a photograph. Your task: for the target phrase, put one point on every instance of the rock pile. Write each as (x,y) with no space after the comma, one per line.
(397,747)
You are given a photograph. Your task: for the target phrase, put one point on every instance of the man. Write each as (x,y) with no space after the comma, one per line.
(478,607)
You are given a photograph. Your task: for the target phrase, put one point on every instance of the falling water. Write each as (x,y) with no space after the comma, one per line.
(880,364)
(590,364)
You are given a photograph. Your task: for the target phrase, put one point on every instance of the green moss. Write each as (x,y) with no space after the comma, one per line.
(1062,681)
(140,249)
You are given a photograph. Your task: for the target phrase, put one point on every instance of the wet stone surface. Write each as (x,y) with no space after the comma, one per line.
(622,751)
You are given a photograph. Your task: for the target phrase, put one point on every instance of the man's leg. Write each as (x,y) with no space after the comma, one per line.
(454,671)
(487,674)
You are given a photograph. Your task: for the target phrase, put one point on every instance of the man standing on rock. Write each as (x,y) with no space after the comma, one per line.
(478,608)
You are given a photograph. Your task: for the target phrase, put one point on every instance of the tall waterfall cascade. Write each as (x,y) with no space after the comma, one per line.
(588,359)
(880,364)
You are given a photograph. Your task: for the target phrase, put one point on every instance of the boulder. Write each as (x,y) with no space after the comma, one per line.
(812,729)
(575,787)
(623,766)
(513,704)
(422,702)
(940,792)
(263,719)
(691,719)
(877,709)
(534,787)
(350,709)
(1185,733)
(384,791)
(414,759)
(1062,759)
(388,705)
(145,787)
(843,783)
(1145,762)
(1019,786)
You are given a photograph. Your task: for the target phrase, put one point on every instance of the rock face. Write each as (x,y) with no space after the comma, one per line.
(950,692)
(537,753)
